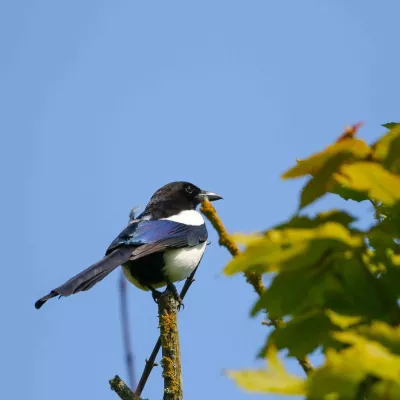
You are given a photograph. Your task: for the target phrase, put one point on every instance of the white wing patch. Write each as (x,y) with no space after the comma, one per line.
(180,263)
(188,217)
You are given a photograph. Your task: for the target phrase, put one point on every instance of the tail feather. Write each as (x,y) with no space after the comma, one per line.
(90,276)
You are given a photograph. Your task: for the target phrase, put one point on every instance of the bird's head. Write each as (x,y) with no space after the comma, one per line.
(181,196)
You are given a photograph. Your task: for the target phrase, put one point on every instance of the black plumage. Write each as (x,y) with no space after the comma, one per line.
(156,248)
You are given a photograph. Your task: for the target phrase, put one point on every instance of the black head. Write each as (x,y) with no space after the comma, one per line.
(175,197)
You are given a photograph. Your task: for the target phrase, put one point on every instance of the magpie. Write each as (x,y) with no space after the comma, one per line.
(162,245)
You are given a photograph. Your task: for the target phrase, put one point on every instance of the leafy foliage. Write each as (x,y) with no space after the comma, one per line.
(334,287)
(273,380)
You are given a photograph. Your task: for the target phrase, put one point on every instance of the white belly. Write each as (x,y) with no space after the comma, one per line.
(180,263)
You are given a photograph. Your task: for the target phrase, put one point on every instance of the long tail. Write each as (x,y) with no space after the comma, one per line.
(90,276)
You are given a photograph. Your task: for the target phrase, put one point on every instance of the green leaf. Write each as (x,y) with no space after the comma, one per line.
(302,335)
(339,282)
(341,217)
(371,178)
(390,220)
(366,294)
(348,194)
(384,390)
(391,125)
(297,291)
(391,278)
(380,239)
(275,379)
(392,161)
(386,149)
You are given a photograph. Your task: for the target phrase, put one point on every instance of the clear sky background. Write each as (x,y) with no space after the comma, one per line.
(103,102)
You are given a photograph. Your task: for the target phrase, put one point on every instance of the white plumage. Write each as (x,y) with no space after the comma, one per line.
(187,217)
(180,263)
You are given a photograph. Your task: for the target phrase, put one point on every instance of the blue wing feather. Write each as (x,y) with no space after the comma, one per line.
(173,234)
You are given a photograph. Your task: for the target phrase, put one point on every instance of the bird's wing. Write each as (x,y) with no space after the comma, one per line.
(137,240)
(159,235)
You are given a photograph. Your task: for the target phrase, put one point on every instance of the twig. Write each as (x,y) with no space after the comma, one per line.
(129,358)
(305,364)
(122,389)
(171,354)
(150,363)
(224,240)
(252,278)
(268,323)
(377,214)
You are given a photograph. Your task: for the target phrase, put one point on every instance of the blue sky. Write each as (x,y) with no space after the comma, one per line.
(103,102)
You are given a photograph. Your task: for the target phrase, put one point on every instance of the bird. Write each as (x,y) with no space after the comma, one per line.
(159,247)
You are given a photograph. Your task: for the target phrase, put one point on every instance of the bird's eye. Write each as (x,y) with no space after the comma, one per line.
(189,189)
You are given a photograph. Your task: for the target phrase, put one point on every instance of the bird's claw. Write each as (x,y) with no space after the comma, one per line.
(172,289)
(180,304)
(155,294)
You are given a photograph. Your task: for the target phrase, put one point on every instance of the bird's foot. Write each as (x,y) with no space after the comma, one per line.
(155,294)
(172,289)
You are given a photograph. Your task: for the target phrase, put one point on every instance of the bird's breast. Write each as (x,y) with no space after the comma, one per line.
(180,263)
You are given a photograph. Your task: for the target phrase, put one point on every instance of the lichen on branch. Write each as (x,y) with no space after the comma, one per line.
(171,355)
(225,240)
(122,389)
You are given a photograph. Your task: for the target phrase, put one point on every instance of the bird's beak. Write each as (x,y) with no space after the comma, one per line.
(211,196)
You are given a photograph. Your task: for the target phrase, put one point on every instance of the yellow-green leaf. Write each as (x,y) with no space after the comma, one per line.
(334,383)
(372,357)
(275,379)
(386,390)
(322,182)
(292,248)
(372,178)
(382,147)
(385,334)
(247,238)
(342,321)
(344,370)
(350,148)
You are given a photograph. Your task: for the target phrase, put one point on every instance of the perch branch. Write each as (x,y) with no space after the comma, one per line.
(252,278)
(171,354)
(150,363)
